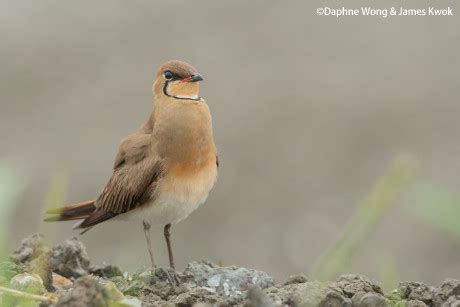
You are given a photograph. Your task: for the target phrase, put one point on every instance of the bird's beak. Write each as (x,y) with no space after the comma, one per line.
(193,78)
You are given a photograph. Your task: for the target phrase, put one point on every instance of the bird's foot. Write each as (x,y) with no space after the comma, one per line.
(173,277)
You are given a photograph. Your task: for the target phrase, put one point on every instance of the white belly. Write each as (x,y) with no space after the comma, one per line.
(167,208)
(174,203)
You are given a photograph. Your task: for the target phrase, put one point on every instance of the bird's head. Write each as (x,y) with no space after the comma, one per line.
(178,80)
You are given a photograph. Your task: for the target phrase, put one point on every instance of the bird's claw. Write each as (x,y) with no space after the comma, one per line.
(173,277)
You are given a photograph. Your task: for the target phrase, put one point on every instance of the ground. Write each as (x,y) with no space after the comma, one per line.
(39,275)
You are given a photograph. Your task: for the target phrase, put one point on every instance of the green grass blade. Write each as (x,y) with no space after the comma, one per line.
(366,217)
(10,187)
(437,207)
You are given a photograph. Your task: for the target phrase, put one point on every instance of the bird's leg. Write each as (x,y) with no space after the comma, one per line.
(170,254)
(149,243)
(168,243)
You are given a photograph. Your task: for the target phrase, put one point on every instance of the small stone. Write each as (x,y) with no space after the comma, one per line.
(257,298)
(415,291)
(233,281)
(31,283)
(86,292)
(350,284)
(214,281)
(198,295)
(371,299)
(30,248)
(334,299)
(449,287)
(60,282)
(69,259)
(453,301)
(305,294)
(151,300)
(415,303)
(33,254)
(295,279)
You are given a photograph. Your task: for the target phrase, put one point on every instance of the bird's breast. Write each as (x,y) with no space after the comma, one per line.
(183,132)
(192,177)
(183,139)
(181,191)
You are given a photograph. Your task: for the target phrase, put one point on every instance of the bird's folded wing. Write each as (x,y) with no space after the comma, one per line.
(132,149)
(129,187)
(132,183)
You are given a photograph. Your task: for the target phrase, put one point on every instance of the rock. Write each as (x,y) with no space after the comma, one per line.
(257,298)
(453,301)
(34,255)
(60,282)
(370,299)
(170,292)
(361,290)
(87,292)
(295,279)
(226,281)
(203,284)
(351,284)
(30,248)
(200,295)
(31,283)
(415,291)
(449,287)
(334,299)
(69,259)
(415,303)
(306,294)
(151,300)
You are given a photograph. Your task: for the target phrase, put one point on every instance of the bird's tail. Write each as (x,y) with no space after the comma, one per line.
(71,212)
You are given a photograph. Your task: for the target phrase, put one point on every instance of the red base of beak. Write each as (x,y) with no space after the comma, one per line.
(185,80)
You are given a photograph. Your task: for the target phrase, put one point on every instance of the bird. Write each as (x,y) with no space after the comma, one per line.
(163,171)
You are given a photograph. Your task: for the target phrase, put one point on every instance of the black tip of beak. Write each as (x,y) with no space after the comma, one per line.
(196,77)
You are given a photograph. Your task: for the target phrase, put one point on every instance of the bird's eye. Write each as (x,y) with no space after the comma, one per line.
(168,75)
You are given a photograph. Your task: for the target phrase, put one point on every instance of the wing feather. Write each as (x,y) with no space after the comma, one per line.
(133,182)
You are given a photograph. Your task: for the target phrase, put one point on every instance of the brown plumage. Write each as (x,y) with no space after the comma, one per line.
(72,212)
(164,170)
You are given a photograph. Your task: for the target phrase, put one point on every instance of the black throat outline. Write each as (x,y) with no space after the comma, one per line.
(165,91)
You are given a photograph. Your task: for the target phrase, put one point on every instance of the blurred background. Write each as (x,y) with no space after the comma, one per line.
(309,111)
